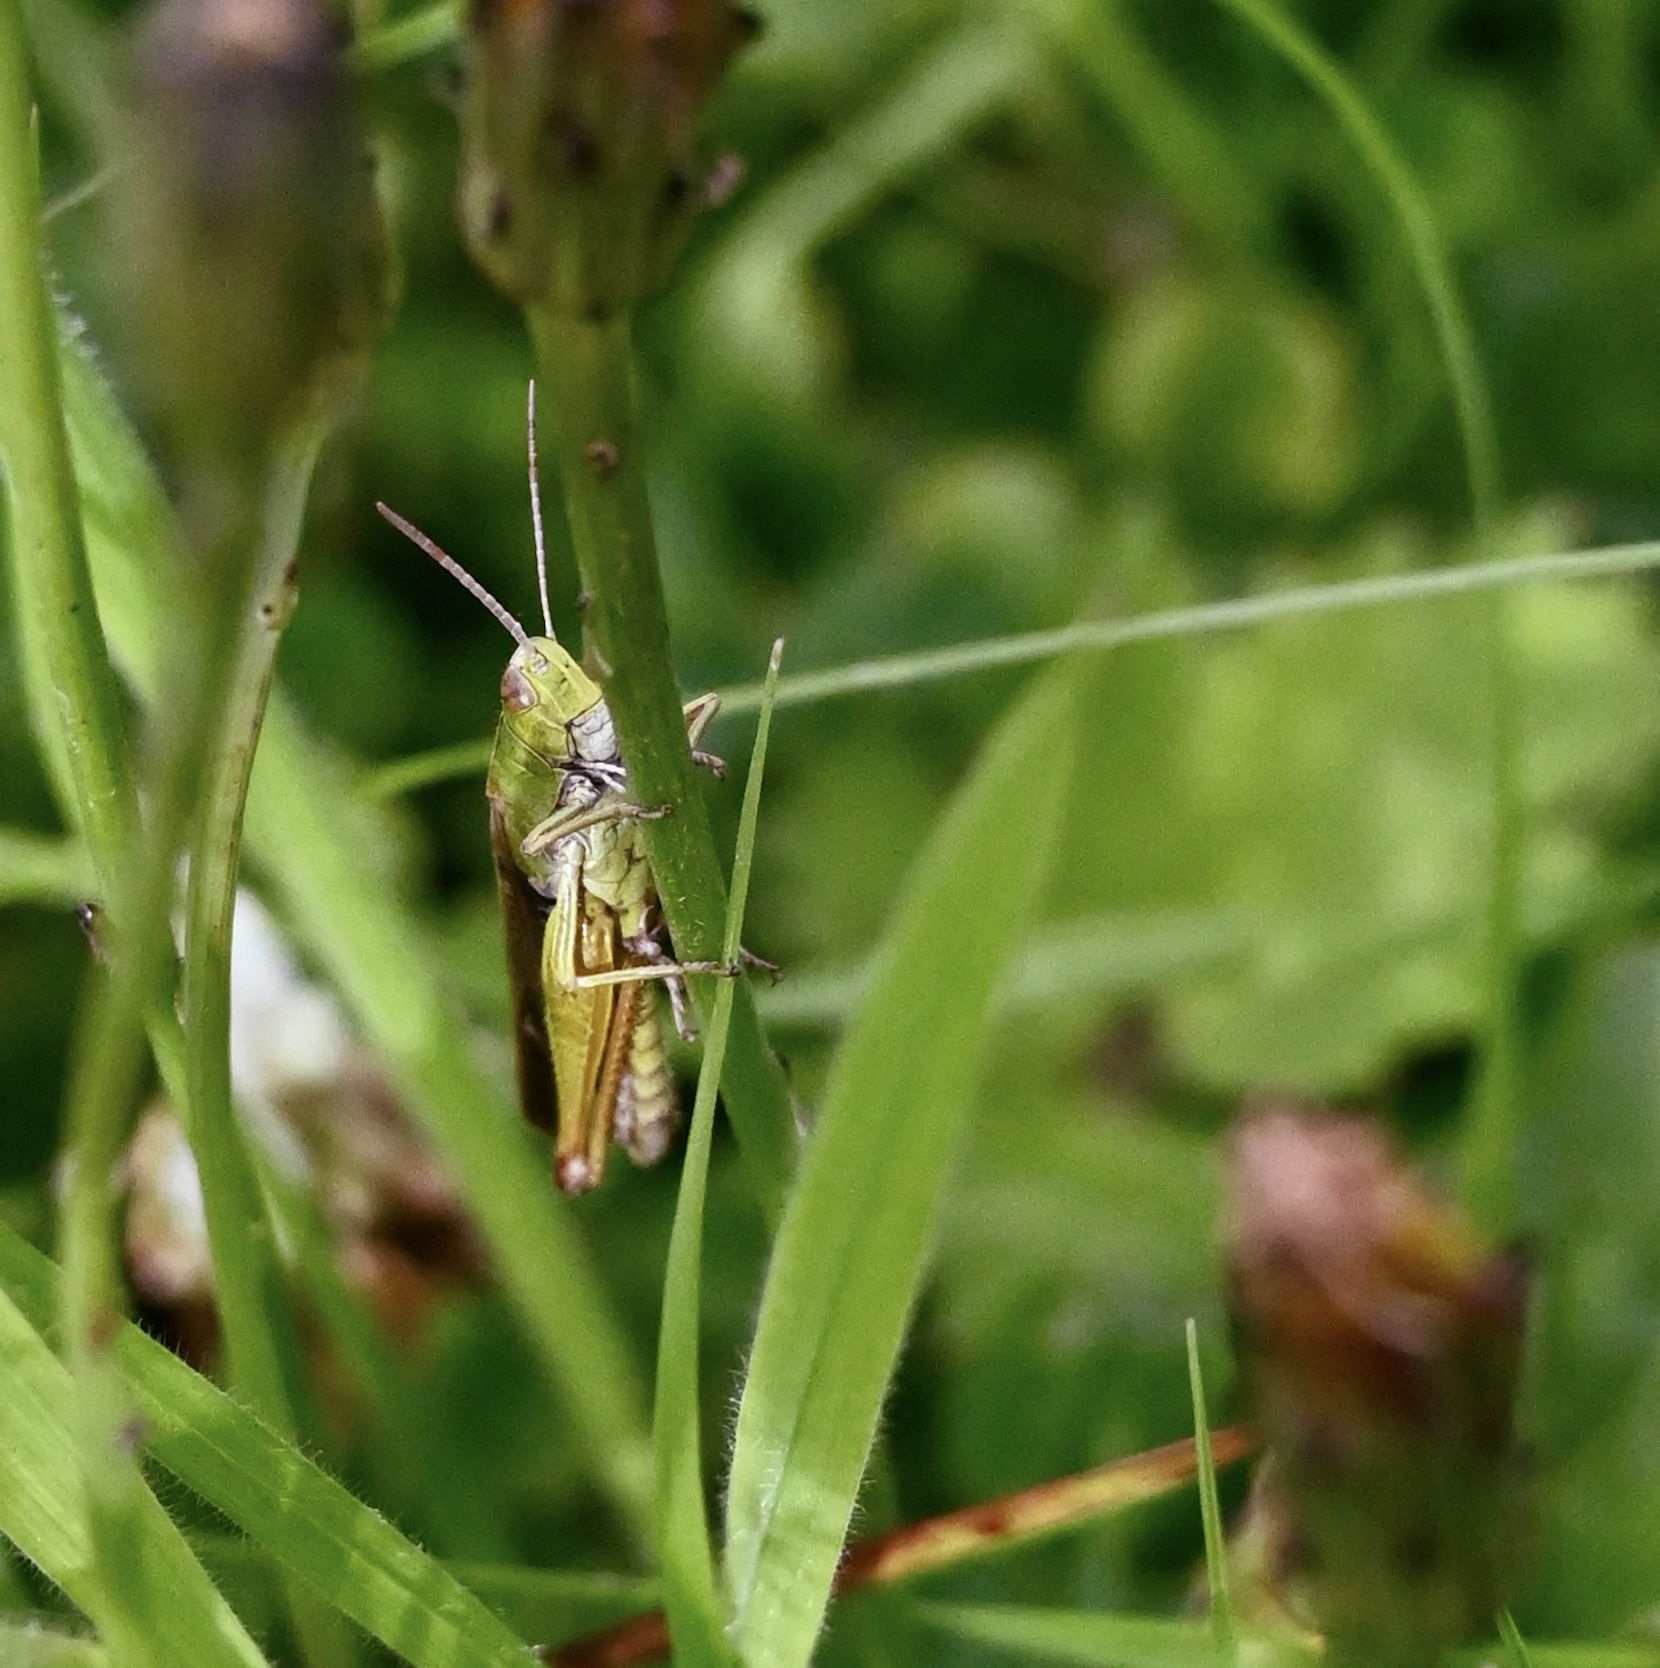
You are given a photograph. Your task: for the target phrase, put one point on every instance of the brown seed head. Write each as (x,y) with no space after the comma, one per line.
(245,218)
(580,175)
(1380,1344)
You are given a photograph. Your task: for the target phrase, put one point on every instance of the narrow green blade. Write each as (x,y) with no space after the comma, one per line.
(853,1245)
(43,1510)
(286,1506)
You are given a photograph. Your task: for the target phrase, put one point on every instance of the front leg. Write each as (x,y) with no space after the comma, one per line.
(565,965)
(577,819)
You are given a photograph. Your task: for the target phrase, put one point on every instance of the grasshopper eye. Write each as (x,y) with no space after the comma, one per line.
(517,695)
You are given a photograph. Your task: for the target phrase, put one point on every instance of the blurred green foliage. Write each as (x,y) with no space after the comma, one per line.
(1021,312)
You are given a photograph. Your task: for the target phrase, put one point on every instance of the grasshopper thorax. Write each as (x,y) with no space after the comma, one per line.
(543,691)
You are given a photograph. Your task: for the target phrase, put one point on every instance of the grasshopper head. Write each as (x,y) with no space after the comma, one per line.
(542,690)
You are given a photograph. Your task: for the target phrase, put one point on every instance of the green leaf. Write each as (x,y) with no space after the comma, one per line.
(43,1509)
(283,1503)
(1216,1551)
(852,1248)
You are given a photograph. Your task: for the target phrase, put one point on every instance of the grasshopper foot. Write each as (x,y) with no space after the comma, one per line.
(759,964)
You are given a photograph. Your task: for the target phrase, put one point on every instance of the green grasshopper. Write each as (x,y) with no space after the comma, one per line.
(578,899)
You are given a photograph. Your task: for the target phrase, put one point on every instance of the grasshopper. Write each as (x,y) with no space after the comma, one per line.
(578,899)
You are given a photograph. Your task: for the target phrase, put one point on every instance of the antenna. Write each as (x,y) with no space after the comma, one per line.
(452,567)
(536,512)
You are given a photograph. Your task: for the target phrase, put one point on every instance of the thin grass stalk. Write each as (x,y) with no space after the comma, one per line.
(104,1082)
(1489,1143)
(81,737)
(1326,78)
(1210,1510)
(261,1339)
(904,671)
(690,1593)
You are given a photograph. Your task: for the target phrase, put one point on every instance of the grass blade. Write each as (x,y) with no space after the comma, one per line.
(285,1505)
(690,1595)
(1395,590)
(1216,1551)
(849,1257)
(43,1510)
(1412,213)
(957,660)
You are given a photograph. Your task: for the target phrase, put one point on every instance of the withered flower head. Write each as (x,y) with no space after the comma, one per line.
(1380,1344)
(246,221)
(580,176)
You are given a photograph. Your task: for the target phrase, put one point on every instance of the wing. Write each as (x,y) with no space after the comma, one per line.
(523,916)
(588,1032)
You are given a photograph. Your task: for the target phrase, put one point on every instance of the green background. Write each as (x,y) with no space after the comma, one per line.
(1022,313)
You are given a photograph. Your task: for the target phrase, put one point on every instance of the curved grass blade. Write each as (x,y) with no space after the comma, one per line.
(1429,259)
(905,671)
(851,1251)
(1490,1180)
(957,660)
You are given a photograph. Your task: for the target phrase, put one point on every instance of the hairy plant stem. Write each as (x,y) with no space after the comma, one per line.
(588,395)
(81,736)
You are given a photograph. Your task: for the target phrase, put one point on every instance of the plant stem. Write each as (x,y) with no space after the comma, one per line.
(691,1595)
(587,375)
(1489,1184)
(1216,1548)
(263,1354)
(261,1343)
